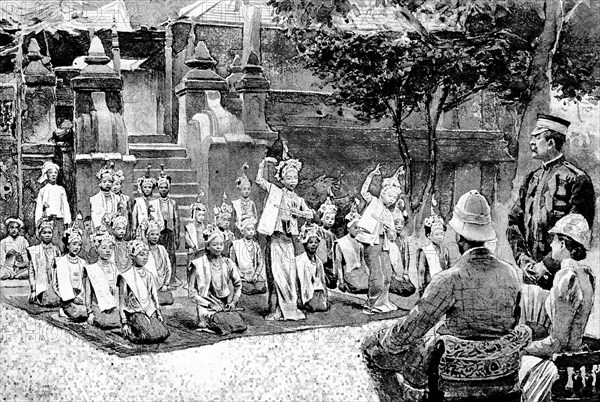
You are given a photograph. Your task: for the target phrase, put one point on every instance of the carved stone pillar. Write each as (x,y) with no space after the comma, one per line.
(40,84)
(99,129)
(214,138)
(254,89)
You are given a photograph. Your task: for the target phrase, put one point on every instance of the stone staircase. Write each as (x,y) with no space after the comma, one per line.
(156,150)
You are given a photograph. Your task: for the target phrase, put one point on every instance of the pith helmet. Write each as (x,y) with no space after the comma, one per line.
(574,226)
(471,218)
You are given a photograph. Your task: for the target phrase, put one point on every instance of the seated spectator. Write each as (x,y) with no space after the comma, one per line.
(41,268)
(214,284)
(69,273)
(569,306)
(479,297)
(13,251)
(141,318)
(311,275)
(159,264)
(100,286)
(349,257)
(248,257)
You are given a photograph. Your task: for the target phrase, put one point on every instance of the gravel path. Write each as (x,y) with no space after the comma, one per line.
(41,362)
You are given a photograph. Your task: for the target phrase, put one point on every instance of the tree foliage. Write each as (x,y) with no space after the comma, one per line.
(451,50)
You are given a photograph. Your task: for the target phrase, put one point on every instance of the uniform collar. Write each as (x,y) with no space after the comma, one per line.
(551,163)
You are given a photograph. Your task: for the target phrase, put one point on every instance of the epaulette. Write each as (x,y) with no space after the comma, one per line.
(574,168)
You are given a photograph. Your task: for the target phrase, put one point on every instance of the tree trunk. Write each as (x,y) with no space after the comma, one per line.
(407,162)
(434,107)
(539,87)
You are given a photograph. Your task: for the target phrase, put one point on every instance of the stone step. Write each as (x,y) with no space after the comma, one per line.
(180,163)
(182,188)
(148,139)
(158,151)
(184,199)
(184,177)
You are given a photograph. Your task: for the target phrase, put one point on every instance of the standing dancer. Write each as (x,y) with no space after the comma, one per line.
(279,221)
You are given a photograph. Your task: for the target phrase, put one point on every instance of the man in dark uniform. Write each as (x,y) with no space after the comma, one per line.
(555,189)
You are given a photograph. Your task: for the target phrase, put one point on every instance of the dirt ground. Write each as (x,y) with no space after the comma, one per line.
(40,362)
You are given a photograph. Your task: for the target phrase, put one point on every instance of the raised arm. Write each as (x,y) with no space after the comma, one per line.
(260,174)
(364,191)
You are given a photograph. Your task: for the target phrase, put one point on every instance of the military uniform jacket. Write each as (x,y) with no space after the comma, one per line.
(550,192)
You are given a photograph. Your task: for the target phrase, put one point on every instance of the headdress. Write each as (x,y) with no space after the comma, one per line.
(44,221)
(108,168)
(394,180)
(353,216)
(118,176)
(547,122)
(102,236)
(433,220)
(247,220)
(136,246)
(48,165)
(308,231)
(224,210)
(162,177)
(147,178)
(243,179)
(212,232)
(72,234)
(149,225)
(119,220)
(198,205)
(328,207)
(286,165)
(13,220)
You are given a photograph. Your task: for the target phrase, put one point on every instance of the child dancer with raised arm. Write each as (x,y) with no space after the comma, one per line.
(376,230)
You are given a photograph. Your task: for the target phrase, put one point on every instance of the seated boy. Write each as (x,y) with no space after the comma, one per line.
(349,258)
(159,263)
(13,251)
(215,284)
(434,257)
(401,283)
(246,254)
(311,275)
(41,268)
